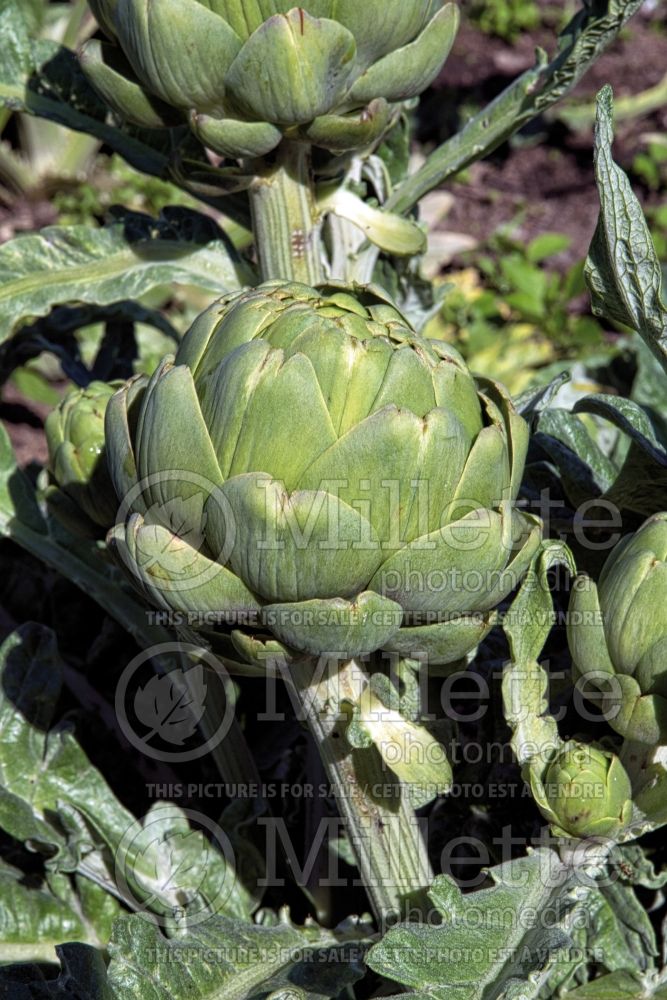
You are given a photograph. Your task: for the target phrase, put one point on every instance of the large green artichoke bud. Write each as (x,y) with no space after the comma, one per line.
(617,633)
(247,72)
(309,463)
(81,493)
(583,791)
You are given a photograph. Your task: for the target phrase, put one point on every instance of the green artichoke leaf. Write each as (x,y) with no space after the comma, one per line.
(455,390)
(434,475)
(90,492)
(204,347)
(179,49)
(233,138)
(408,384)
(341,133)
(486,477)
(103,12)
(70,513)
(345,628)
(651,670)
(408,71)
(450,570)
(112,77)
(350,372)
(517,428)
(528,536)
(636,579)
(424,774)
(622,270)
(392,233)
(292,69)
(585,629)
(246,400)
(261,651)
(175,457)
(443,643)
(119,427)
(293,547)
(650,798)
(245,16)
(174,574)
(379,459)
(378,26)
(635,714)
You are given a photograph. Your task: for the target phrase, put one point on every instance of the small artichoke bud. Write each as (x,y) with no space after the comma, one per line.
(617,631)
(583,791)
(81,494)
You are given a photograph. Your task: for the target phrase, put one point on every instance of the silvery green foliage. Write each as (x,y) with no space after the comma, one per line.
(124,260)
(623,271)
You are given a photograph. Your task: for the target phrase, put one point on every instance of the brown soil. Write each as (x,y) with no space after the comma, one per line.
(543,180)
(25,215)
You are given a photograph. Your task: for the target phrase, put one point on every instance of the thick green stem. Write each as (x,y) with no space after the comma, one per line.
(285,221)
(382,827)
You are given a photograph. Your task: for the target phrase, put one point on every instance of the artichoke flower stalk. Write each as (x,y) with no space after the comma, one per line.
(262,82)
(344,489)
(285,218)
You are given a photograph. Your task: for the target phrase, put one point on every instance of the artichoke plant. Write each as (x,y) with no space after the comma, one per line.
(309,465)
(245,74)
(583,791)
(80,493)
(617,633)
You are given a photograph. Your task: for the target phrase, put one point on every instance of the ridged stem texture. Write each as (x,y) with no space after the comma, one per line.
(382,827)
(285,221)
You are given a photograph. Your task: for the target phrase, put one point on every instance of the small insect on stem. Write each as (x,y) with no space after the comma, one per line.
(299,243)
(302,19)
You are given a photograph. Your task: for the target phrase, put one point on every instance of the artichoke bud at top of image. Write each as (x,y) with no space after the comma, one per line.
(309,465)
(582,791)
(80,492)
(617,632)
(247,72)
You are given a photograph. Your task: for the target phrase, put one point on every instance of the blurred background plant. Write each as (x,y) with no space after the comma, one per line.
(38,161)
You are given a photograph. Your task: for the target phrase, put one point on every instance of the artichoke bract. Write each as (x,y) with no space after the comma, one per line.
(617,633)
(310,464)
(81,494)
(583,792)
(246,72)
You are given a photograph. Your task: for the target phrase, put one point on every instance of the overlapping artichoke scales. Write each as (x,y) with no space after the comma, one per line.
(245,73)
(346,471)
(618,633)
(80,493)
(582,791)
